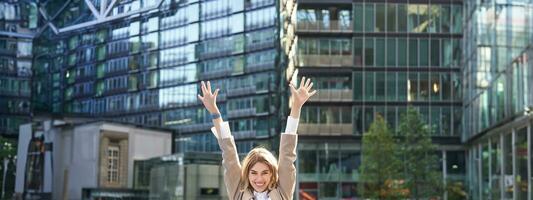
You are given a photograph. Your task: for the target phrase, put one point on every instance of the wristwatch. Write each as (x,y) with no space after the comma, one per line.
(215,115)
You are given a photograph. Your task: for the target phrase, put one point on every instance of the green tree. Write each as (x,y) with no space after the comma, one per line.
(380,167)
(8,151)
(419,162)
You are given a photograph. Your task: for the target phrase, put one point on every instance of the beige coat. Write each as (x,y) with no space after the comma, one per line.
(286,169)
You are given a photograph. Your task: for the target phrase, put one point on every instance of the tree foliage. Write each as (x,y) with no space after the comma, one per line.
(380,167)
(419,160)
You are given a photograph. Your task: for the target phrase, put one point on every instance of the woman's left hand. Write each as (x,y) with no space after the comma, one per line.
(303,93)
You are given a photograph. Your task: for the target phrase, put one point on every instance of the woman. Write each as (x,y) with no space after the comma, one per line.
(260,176)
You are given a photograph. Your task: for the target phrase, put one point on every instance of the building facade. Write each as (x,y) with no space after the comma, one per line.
(60,158)
(369,58)
(498,100)
(142,61)
(18,21)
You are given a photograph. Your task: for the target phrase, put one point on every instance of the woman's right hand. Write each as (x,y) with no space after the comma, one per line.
(209,99)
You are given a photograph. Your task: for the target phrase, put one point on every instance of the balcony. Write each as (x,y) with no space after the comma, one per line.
(241,113)
(325,129)
(324,60)
(215,74)
(241,91)
(332,95)
(244,134)
(260,66)
(333,26)
(194,127)
(250,46)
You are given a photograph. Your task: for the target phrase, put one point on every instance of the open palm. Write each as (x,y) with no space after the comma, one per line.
(209,99)
(303,93)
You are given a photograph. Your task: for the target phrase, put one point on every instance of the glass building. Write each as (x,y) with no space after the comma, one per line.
(369,58)
(18,20)
(141,62)
(498,100)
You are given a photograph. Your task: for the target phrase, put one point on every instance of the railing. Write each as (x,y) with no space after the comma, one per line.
(195,127)
(324,60)
(260,66)
(241,91)
(325,26)
(215,74)
(244,134)
(333,95)
(241,112)
(325,129)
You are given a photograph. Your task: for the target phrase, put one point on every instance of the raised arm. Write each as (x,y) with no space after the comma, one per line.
(210,103)
(230,158)
(289,139)
(300,96)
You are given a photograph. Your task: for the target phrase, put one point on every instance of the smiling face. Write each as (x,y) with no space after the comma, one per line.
(259,176)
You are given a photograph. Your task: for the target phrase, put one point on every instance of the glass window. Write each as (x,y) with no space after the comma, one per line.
(358,17)
(424,52)
(446,52)
(134,28)
(391,86)
(412,86)
(350,162)
(445,18)
(423,17)
(521,180)
(358,86)
(508,164)
(369,17)
(380,52)
(434,52)
(446,119)
(150,41)
(380,17)
(135,44)
(435,121)
(402,86)
(446,86)
(237,23)
(346,113)
(324,47)
(402,53)
(380,86)
(313,114)
(391,52)
(345,20)
(496,169)
(412,18)
(424,86)
(402,18)
(434,19)
(457,18)
(153,24)
(436,87)
(413,53)
(368,117)
(358,51)
(456,54)
(369,52)
(308,162)
(369,86)
(391,17)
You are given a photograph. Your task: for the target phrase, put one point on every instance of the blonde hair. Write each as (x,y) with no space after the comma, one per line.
(255,156)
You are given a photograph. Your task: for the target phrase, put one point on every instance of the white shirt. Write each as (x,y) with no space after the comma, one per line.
(292,126)
(261,195)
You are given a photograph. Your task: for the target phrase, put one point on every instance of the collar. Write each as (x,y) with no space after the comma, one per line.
(261,195)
